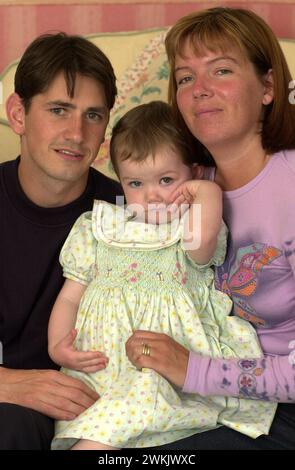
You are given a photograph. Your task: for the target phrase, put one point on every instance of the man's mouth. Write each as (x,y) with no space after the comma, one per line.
(69,154)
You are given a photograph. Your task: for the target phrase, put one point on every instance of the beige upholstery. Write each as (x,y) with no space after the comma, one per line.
(141,68)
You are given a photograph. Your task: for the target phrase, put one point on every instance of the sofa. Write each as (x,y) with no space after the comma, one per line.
(142,71)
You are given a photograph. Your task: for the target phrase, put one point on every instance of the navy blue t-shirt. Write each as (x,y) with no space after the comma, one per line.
(31,238)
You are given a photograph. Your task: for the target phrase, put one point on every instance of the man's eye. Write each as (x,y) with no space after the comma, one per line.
(57,111)
(95,116)
(166,180)
(134,184)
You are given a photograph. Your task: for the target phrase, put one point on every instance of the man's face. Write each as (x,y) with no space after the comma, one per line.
(61,135)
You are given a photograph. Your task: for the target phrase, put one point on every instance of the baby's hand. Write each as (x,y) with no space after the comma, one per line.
(185,193)
(65,354)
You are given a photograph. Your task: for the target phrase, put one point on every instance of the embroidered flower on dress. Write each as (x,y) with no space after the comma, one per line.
(131,273)
(180,275)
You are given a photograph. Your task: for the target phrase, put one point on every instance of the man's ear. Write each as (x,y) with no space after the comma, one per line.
(197,171)
(16,113)
(268,94)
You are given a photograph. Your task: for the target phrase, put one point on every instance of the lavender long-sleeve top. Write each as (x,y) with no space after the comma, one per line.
(259,275)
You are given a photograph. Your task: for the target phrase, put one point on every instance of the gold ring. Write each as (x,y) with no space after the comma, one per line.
(146,350)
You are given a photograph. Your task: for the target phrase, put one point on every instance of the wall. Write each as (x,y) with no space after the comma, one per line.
(22,20)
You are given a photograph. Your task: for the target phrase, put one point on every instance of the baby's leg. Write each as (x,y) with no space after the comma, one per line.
(84,444)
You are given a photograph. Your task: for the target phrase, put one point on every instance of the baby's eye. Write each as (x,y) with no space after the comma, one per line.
(166,180)
(134,184)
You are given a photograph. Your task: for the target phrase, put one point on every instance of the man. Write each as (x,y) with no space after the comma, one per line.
(64,90)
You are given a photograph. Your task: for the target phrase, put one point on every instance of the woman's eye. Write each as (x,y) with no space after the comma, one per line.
(223,71)
(166,180)
(183,80)
(134,184)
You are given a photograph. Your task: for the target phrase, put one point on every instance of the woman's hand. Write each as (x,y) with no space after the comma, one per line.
(166,356)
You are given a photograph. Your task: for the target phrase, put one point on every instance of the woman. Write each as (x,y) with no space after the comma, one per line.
(229,87)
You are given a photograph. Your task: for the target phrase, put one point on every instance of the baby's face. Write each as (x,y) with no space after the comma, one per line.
(148,185)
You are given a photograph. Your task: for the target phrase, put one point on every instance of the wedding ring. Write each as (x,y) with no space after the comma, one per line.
(146,350)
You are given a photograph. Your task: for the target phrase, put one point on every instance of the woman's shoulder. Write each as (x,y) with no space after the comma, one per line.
(287,157)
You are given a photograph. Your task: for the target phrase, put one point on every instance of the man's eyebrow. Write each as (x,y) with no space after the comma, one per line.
(66,104)
(97,109)
(62,104)
(211,61)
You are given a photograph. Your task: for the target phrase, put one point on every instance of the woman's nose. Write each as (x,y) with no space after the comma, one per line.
(201,88)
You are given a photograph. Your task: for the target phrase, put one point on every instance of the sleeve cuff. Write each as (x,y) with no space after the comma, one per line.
(194,373)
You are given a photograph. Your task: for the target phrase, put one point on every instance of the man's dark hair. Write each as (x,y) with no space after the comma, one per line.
(51,54)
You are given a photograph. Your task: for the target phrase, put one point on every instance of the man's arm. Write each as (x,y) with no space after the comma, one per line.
(48,391)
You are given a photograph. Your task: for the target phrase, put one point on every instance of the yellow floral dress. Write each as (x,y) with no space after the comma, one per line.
(138,276)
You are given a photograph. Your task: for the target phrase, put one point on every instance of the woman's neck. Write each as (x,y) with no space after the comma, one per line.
(234,171)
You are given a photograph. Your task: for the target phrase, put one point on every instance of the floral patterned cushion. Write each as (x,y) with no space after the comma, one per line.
(141,69)
(145,80)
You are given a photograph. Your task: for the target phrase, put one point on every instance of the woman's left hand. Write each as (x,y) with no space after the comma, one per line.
(166,356)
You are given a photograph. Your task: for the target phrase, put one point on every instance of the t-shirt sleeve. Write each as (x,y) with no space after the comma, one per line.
(271,378)
(220,252)
(78,255)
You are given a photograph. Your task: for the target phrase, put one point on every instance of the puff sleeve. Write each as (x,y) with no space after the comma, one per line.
(78,254)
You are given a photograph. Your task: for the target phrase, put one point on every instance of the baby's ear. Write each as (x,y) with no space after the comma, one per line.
(197,171)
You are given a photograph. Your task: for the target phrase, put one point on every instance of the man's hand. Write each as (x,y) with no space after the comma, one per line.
(65,354)
(48,391)
(167,357)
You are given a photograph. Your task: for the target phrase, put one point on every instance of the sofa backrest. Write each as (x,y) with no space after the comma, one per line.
(141,68)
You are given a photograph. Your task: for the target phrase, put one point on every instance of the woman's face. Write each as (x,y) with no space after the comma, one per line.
(220,96)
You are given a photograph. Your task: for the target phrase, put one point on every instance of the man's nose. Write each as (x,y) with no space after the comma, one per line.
(74,129)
